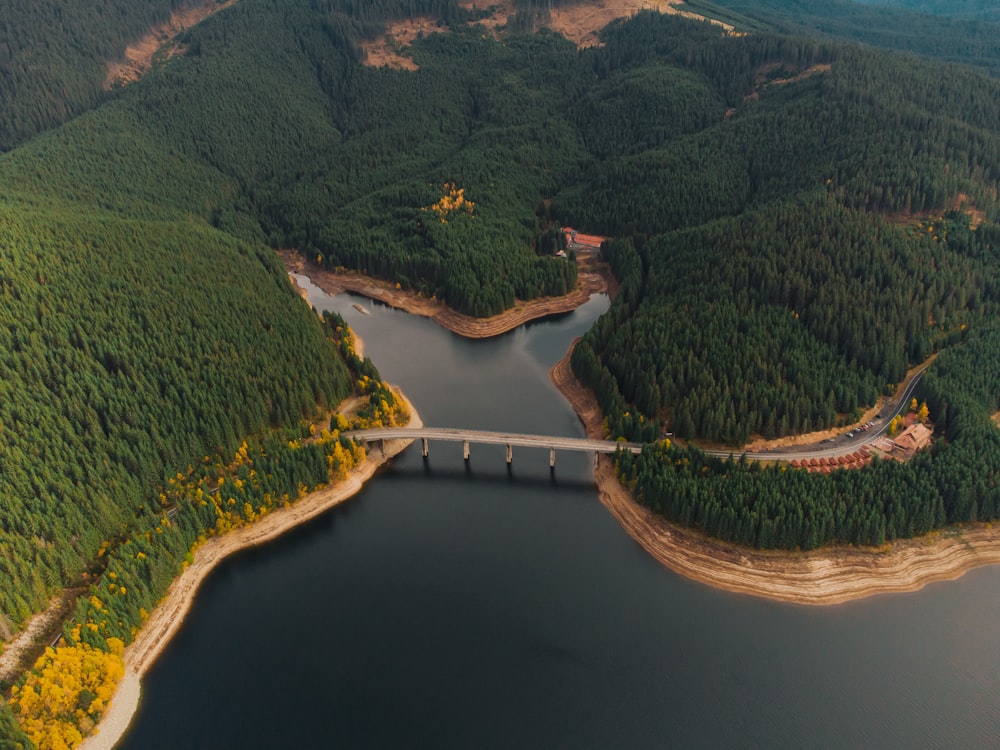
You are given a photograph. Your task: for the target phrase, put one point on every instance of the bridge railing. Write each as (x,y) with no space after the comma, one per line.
(510,440)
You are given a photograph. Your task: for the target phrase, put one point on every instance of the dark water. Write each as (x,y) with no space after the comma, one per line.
(447,607)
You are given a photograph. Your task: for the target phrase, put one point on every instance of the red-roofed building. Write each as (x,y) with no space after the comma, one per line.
(914,438)
(578,239)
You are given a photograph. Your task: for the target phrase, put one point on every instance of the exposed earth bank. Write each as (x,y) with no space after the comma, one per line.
(590,280)
(826,576)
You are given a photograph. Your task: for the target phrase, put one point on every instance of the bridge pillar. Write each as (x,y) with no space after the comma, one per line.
(381,446)
(424,446)
(510,453)
(465,450)
(552,458)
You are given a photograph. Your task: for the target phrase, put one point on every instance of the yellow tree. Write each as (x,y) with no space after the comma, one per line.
(894,425)
(66,692)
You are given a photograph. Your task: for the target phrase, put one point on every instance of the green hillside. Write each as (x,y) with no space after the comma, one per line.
(782,268)
(131,347)
(981,10)
(960,31)
(795,222)
(54,55)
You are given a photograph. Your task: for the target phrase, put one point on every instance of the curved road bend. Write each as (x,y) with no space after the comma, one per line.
(840,445)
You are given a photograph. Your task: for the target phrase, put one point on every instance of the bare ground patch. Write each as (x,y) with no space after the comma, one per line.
(768,75)
(389,50)
(24,647)
(927,219)
(581,23)
(139,55)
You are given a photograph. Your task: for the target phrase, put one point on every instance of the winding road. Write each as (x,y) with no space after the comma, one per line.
(830,448)
(842,444)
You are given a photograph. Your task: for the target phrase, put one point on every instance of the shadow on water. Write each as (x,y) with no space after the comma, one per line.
(505,477)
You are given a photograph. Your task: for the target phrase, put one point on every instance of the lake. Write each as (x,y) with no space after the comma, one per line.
(467,606)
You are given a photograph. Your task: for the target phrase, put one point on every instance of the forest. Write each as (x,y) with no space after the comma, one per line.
(961,31)
(795,222)
(54,55)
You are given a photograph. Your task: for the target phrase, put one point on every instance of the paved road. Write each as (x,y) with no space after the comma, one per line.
(493,438)
(841,445)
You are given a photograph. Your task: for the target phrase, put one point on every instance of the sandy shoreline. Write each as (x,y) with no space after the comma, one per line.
(819,577)
(826,576)
(591,279)
(169,615)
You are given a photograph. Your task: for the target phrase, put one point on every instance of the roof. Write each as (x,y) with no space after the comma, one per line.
(914,437)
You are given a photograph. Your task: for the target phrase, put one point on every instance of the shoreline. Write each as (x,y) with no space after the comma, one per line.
(831,575)
(168,616)
(819,577)
(591,279)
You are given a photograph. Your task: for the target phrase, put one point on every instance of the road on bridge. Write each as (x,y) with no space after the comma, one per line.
(829,448)
(510,439)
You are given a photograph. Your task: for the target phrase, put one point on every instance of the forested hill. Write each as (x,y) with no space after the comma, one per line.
(782,267)
(776,201)
(973,10)
(963,32)
(795,222)
(54,55)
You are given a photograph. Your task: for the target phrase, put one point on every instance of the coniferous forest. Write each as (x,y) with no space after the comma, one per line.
(796,221)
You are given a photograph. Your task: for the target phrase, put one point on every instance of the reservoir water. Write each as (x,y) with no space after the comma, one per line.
(454,606)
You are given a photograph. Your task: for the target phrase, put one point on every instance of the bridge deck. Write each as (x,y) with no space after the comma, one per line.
(493,438)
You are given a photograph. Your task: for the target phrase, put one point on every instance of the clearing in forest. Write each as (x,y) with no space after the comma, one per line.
(139,55)
(580,23)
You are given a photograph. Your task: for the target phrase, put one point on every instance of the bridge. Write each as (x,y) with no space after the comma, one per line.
(829,448)
(509,439)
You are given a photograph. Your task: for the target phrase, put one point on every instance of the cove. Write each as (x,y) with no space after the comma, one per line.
(454,606)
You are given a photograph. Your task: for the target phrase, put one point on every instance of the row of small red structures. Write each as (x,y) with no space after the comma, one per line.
(827,464)
(574,237)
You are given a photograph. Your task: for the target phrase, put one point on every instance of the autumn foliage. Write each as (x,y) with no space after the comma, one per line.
(65,694)
(452,202)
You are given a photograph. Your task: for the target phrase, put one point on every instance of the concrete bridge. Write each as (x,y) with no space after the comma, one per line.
(509,439)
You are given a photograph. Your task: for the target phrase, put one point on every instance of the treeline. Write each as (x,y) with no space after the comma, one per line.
(781,268)
(939,29)
(786,508)
(783,244)
(54,55)
(128,348)
(783,320)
